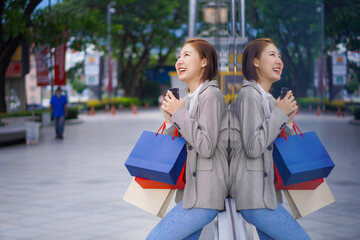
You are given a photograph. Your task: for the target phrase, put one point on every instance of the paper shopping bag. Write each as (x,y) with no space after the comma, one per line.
(309,185)
(154,201)
(304,202)
(301,158)
(157,157)
(146,183)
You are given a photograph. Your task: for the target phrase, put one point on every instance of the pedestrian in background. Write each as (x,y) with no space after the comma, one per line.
(58,104)
(201,119)
(261,119)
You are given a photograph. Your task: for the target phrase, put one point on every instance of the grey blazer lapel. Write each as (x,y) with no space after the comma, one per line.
(187,102)
(195,107)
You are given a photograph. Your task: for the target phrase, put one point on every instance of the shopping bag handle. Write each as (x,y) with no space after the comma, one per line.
(162,128)
(283,134)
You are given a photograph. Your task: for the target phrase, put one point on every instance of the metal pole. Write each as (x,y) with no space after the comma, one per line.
(192,16)
(109,49)
(242,18)
(233,29)
(51,65)
(322,80)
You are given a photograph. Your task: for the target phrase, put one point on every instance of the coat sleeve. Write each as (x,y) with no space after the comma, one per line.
(289,130)
(257,132)
(203,133)
(170,131)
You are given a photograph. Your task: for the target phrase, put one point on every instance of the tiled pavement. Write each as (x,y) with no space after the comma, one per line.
(72,189)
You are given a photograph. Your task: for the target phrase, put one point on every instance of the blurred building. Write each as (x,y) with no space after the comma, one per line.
(15,92)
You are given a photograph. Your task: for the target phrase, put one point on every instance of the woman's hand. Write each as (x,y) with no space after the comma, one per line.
(287,104)
(166,116)
(171,104)
(292,115)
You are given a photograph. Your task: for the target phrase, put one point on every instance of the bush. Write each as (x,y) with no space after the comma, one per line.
(125,101)
(357,113)
(22,113)
(151,92)
(314,102)
(73,113)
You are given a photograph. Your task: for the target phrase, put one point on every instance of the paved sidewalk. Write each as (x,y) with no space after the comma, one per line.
(72,189)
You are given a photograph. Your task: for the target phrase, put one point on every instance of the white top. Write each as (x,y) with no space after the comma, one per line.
(266,96)
(193,97)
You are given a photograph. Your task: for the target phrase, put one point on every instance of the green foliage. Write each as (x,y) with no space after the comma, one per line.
(64,21)
(295,27)
(74,73)
(22,113)
(151,92)
(139,29)
(124,101)
(79,86)
(352,85)
(305,102)
(342,24)
(72,113)
(357,113)
(13,20)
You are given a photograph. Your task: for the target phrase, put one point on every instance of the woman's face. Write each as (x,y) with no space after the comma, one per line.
(189,66)
(269,66)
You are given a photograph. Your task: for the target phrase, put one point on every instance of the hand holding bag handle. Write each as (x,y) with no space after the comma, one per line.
(283,134)
(162,128)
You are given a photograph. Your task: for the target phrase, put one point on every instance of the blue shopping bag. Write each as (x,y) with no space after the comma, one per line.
(157,157)
(301,158)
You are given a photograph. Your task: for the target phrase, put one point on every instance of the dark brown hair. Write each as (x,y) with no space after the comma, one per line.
(253,50)
(206,50)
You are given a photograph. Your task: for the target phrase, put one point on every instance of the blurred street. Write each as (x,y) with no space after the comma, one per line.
(72,189)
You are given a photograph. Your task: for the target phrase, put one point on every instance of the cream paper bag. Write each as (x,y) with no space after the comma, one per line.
(154,201)
(304,202)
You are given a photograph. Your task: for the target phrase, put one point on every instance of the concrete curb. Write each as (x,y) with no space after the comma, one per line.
(12,132)
(355,122)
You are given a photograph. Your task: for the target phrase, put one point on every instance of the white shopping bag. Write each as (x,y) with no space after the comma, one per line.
(304,202)
(154,201)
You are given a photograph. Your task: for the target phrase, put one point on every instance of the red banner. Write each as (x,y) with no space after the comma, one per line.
(42,70)
(60,74)
(13,70)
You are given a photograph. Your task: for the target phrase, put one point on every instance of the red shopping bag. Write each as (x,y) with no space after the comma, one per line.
(145,183)
(310,185)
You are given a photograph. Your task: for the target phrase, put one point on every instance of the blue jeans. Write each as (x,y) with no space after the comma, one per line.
(182,223)
(274,224)
(59,126)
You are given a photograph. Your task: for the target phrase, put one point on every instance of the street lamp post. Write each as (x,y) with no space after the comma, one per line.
(109,58)
(322,77)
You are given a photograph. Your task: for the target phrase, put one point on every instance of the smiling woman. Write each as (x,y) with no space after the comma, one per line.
(261,119)
(201,119)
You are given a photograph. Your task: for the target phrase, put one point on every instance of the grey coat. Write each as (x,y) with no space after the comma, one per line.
(253,134)
(206,133)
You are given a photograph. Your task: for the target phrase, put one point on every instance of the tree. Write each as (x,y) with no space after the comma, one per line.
(14,28)
(352,85)
(342,24)
(295,27)
(158,29)
(342,27)
(139,30)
